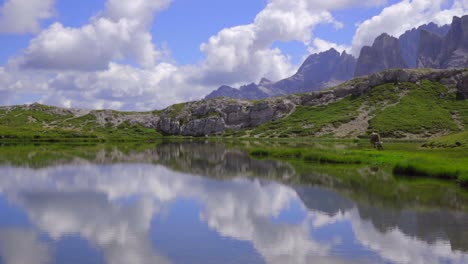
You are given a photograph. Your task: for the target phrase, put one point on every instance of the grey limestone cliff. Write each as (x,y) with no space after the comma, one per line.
(410,41)
(454,52)
(212,116)
(384,54)
(429,48)
(444,52)
(319,71)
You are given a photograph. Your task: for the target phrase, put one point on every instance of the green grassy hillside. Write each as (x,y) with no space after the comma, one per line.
(421,110)
(404,110)
(450,141)
(42,123)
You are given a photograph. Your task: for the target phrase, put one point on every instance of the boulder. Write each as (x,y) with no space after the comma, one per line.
(463,87)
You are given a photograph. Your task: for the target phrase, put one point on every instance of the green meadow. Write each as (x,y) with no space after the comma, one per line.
(402,158)
(394,110)
(41,125)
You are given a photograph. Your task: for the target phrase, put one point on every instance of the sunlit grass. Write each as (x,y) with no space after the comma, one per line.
(450,141)
(42,124)
(404,159)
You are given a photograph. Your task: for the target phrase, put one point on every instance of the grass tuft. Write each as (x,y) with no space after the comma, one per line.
(413,169)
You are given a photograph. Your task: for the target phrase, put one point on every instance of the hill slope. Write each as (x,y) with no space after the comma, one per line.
(402,110)
(40,122)
(398,103)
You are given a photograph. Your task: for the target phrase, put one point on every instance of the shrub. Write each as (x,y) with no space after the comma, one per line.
(463,180)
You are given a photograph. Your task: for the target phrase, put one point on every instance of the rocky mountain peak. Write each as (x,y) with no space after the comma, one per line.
(264,82)
(410,42)
(427,46)
(454,53)
(384,54)
(317,58)
(436,29)
(383,39)
(429,49)
(318,71)
(458,33)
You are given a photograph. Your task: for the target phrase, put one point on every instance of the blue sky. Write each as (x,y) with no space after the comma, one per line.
(146,54)
(182,27)
(187,24)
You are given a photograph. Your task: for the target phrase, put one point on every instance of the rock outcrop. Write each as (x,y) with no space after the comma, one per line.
(463,87)
(208,117)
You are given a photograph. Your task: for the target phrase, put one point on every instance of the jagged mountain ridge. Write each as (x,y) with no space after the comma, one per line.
(428,46)
(384,54)
(411,39)
(321,70)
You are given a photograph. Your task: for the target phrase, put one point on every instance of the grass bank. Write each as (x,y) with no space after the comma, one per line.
(458,140)
(124,132)
(404,159)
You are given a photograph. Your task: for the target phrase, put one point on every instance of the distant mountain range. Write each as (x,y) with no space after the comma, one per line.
(428,46)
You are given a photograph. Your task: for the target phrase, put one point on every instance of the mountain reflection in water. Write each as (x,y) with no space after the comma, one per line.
(205,203)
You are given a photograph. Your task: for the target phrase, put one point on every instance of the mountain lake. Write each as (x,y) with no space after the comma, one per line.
(211,202)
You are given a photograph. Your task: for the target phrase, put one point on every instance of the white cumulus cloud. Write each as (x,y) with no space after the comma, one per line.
(407,14)
(120,32)
(88,66)
(245,52)
(84,65)
(24,16)
(320,45)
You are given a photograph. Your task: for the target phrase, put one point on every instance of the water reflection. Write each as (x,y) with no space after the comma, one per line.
(22,246)
(118,202)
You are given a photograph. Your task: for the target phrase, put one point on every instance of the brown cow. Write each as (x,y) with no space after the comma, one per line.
(375,141)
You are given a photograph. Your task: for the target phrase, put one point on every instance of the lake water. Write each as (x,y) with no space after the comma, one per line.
(209,203)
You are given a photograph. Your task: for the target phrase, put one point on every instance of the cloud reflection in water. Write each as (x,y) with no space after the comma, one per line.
(112,207)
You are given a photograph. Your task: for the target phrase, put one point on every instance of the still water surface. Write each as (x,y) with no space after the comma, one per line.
(205,203)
